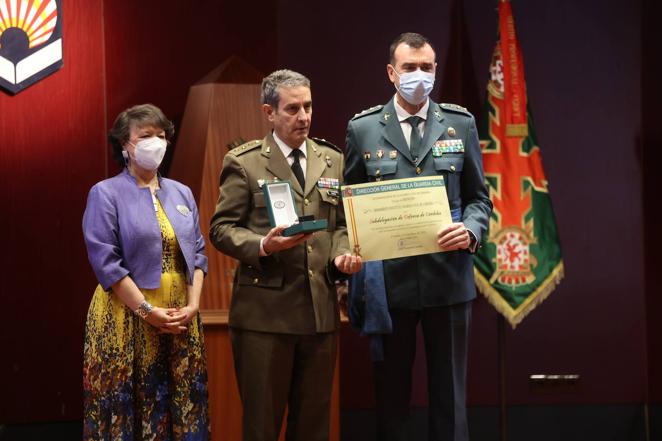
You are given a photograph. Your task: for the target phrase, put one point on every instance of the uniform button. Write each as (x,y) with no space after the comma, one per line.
(310,248)
(452,168)
(378,172)
(255,281)
(306,202)
(418,170)
(310,273)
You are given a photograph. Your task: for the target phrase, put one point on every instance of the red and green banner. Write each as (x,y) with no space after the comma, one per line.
(520,262)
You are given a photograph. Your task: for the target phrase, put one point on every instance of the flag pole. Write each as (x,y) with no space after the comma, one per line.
(501,349)
(501,332)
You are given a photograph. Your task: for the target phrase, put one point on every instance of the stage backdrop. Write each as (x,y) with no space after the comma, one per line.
(584,70)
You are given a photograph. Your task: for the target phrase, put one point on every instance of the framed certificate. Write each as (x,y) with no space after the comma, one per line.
(396,218)
(282,210)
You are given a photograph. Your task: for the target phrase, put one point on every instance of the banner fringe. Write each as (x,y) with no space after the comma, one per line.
(515,316)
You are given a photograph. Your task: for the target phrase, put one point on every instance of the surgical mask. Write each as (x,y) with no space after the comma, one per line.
(415,87)
(149,152)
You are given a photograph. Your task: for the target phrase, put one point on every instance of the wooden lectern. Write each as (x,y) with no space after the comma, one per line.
(222,111)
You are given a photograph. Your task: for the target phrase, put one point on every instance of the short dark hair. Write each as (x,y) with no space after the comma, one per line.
(280,78)
(137,116)
(412,39)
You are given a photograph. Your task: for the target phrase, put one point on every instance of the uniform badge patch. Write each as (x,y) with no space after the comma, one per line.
(331,183)
(261,182)
(444,146)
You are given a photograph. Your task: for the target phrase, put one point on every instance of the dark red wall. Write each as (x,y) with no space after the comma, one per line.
(651,160)
(52,150)
(156,50)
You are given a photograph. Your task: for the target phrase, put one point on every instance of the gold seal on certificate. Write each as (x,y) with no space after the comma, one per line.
(396,218)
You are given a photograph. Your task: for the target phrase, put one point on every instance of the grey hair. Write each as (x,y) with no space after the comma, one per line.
(280,78)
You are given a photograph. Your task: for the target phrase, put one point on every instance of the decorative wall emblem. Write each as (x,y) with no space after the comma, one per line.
(30,41)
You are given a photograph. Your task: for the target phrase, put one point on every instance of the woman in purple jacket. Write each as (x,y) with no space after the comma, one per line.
(145,374)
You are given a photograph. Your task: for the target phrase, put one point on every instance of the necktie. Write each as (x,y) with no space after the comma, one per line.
(296,167)
(415,139)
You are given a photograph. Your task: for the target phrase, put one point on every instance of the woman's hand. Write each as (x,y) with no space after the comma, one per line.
(166,320)
(183,318)
(189,313)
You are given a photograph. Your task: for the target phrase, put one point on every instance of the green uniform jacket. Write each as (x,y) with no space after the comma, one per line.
(376,150)
(270,293)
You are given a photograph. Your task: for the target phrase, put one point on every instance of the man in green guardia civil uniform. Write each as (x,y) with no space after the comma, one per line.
(413,136)
(284,312)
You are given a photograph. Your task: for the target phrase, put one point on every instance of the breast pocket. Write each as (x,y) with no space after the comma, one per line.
(328,206)
(259,216)
(381,169)
(258,200)
(451,168)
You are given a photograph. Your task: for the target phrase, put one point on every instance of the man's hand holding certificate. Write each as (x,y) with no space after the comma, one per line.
(399,218)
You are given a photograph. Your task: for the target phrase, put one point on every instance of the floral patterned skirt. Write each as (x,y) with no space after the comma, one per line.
(139,384)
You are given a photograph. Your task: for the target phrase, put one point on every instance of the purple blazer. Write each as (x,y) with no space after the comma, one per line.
(122,233)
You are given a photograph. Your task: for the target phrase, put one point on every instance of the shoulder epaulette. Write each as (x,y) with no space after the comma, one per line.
(455,108)
(250,145)
(369,111)
(322,141)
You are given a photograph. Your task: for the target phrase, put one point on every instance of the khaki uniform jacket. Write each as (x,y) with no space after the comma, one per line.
(292,291)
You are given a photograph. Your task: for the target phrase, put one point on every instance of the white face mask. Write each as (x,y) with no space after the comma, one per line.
(415,87)
(149,152)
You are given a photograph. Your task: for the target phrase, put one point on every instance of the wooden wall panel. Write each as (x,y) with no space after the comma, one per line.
(224,113)
(224,401)
(235,115)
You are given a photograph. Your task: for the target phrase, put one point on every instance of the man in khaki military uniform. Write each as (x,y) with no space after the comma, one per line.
(284,312)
